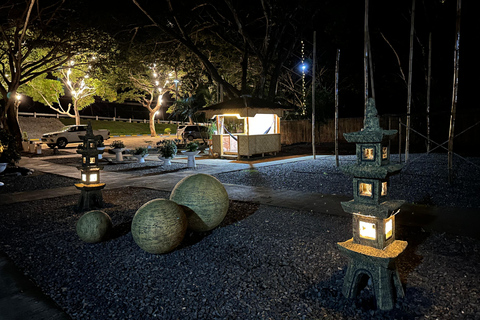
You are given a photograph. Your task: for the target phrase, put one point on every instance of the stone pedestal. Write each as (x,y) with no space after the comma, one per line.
(378,265)
(191,163)
(91,196)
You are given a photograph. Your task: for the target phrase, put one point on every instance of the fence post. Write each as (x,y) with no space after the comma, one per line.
(34,114)
(130,120)
(96,117)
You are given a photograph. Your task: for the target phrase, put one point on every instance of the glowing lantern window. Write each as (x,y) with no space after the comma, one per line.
(368,154)
(388,228)
(84,177)
(384,152)
(367,230)
(384,188)
(365,189)
(93,177)
(92,159)
(84,160)
(92,145)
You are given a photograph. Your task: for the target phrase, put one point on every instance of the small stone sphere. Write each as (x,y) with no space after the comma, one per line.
(204,200)
(93,226)
(159,226)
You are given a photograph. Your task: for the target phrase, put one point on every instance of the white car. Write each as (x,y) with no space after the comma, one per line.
(71,134)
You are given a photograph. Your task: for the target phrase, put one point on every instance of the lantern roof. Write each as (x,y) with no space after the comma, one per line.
(371,132)
(373,172)
(245,106)
(382,210)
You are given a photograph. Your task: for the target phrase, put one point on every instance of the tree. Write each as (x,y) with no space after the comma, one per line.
(265,32)
(36,39)
(145,81)
(78,82)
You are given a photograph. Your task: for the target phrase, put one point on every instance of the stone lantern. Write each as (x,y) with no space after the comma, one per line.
(373,249)
(90,186)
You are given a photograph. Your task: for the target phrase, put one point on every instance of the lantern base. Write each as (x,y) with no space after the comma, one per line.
(91,196)
(378,265)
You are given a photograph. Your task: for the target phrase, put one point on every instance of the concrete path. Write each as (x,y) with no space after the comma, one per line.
(21,299)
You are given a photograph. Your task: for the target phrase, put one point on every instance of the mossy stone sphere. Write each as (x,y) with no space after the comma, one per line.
(204,199)
(93,226)
(159,226)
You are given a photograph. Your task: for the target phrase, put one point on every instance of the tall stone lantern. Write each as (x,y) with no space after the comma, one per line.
(90,186)
(373,250)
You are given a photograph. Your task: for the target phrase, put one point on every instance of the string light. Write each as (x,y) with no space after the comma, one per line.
(304,101)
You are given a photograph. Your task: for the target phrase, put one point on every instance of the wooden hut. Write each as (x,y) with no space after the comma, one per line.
(246,126)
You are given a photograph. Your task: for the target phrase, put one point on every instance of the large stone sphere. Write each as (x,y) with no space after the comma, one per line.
(159,226)
(204,200)
(93,226)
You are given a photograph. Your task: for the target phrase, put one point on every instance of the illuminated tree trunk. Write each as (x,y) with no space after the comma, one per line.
(456,59)
(409,85)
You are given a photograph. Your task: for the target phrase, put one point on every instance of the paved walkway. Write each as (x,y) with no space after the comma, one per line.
(20,299)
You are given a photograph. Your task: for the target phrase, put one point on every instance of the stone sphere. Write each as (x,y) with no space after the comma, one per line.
(159,226)
(93,226)
(204,200)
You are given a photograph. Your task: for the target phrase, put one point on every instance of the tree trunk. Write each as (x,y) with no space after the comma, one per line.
(409,85)
(456,60)
(337,66)
(11,122)
(77,114)
(153,132)
(429,80)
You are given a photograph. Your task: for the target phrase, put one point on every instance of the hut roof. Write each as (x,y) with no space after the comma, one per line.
(245,106)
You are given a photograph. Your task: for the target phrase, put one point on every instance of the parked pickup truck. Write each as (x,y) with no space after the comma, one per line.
(71,134)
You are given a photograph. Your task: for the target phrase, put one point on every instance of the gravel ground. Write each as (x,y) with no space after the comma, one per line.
(423,181)
(262,263)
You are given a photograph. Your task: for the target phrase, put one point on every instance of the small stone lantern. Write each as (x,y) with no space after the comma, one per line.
(90,186)
(373,249)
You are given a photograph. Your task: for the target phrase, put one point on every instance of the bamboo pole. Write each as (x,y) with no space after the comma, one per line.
(429,80)
(313,92)
(409,84)
(370,64)
(365,60)
(456,60)
(337,65)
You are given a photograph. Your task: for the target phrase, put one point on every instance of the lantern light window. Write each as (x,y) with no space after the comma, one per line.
(365,189)
(384,152)
(367,230)
(388,228)
(92,159)
(84,177)
(384,188)
(93,177)
(368,153)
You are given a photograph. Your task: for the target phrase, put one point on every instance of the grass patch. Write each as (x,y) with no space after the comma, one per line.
(123,128)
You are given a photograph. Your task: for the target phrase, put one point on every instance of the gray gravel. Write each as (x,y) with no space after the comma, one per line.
(423,181)
(275,264)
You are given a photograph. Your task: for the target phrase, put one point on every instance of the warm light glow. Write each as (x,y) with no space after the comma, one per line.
(93,177)
(155,75)
(19,97)
(368,153)
(261,124)
(84,177)
(367,230)
(232,115)
(84,160)
(365,189)
(388,228)
(384,188)
(384,153)
(92,159)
